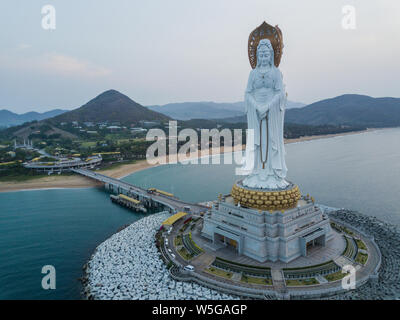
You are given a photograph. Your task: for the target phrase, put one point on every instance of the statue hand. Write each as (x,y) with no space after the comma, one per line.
(263,109)
(263,114)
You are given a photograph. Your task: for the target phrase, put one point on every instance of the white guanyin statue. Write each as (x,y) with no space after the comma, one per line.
(265,101)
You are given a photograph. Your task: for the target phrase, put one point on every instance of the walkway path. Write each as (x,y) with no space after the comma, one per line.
(278,280)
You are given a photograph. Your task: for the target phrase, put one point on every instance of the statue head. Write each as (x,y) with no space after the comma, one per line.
(265,53)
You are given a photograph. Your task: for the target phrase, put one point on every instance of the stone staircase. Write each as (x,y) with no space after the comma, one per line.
(278,281)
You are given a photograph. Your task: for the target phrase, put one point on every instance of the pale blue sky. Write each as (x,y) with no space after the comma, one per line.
(158,52)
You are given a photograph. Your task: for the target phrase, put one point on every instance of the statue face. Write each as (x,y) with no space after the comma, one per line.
(264,57)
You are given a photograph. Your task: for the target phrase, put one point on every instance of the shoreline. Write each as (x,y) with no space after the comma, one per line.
(99,278)
(73,182)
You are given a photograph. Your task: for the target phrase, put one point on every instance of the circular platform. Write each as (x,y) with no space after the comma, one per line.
(264,199)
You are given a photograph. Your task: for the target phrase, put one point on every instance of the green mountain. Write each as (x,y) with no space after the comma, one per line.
(207,109)
(8,118)
(350,110)
(111,106)
(347,110)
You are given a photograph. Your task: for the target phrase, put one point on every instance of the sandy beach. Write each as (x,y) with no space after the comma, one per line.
(75,181)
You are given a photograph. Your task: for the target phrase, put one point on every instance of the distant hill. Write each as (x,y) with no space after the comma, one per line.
(349,109)
(200,110)
(8,118)
(206,109)
(33,128)
(111,106)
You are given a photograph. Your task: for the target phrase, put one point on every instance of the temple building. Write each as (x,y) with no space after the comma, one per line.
(267,235)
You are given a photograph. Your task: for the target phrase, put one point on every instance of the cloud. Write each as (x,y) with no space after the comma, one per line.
(69,66)
(23,46)
(54,64)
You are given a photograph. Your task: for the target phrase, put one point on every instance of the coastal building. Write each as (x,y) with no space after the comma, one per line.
(279,235)
(64,164)
(11,154)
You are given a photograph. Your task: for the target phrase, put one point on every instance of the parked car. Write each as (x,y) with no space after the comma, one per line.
(188,268)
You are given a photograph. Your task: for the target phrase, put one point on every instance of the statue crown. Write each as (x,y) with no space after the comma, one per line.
(265,31)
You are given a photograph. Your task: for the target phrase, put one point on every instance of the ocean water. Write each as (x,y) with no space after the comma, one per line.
(63,227)
(53,227)
(358,171)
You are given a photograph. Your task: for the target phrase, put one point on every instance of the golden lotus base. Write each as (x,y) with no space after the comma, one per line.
(265,199)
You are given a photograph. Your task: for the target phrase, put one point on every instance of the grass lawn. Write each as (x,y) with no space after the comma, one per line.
(335,276)
(219,272)
(361,244)
(256,280)
(301,282)
(88,144)
(185,254)
(362,258)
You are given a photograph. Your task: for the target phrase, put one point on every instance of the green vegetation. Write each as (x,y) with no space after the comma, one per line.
(194,243)
(219,272)
(301,282)
(256,280)
(335,276)
(361,258)
(88,144)
(247,270)
(293,131)
(360,244)
(184,227)
(190,246)
(310,267)
(242,265)
(341,229)
(178,241)
(185,254)
(19,177)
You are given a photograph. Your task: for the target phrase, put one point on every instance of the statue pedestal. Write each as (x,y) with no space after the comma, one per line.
(279,235)
(264,199)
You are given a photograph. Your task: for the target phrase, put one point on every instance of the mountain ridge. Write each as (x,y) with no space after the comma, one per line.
(349,109)
(206,109)
(9,118)
(111,106)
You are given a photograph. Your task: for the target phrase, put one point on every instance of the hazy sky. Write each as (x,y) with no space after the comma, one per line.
(164,51)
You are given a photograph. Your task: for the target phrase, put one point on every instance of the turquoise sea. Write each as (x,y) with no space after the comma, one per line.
(62,227)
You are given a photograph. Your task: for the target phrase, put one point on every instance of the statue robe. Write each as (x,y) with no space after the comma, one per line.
(265,97)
